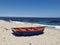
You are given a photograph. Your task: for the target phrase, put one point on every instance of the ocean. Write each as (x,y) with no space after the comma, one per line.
(48,21)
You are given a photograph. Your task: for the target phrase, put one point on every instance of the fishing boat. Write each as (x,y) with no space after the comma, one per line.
(28,30)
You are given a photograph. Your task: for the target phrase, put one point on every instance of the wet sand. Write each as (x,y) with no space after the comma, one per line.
(51,36)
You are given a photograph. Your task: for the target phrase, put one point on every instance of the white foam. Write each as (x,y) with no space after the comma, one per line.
(58,27)
(20,22)
(17,22)
(43,25)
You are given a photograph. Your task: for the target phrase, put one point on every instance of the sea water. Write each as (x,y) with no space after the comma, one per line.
(38,20)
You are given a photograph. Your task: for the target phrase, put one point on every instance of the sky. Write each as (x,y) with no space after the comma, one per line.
(30,8)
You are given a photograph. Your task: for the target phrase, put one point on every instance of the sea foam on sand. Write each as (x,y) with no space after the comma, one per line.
(58,27)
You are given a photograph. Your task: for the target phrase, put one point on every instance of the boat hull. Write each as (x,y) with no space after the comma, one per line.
(27,33)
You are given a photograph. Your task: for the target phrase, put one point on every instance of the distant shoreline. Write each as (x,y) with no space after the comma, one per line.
(29,17)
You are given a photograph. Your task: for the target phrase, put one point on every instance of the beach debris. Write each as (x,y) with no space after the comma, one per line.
(29,43)
(6,29)
(7,20)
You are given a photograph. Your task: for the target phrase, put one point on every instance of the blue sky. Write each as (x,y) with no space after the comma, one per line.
(30,8)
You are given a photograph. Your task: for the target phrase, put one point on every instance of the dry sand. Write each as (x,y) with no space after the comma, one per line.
(51,36)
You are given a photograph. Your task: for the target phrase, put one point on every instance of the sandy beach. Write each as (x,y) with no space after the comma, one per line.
(51,36)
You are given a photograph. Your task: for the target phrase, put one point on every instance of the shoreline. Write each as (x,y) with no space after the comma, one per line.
(53,26)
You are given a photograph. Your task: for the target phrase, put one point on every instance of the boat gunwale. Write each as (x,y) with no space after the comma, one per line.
(27,29)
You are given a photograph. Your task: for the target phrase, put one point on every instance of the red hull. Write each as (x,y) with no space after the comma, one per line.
(28,29)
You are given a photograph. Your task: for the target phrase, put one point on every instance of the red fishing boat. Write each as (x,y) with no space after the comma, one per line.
(28,30)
